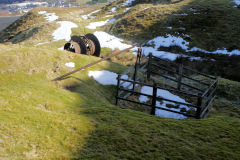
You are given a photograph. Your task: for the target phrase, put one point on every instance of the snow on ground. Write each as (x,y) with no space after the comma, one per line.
(180,14)
(94,25)
(109,41)
(170,40)
(49,16)
(39,44)
(70,65)
(89,16)
(64,31)
(61,48)
(128,2)
(114,9)
(237,2)
(167,95)
(105,77)
(127,9)
(1,141)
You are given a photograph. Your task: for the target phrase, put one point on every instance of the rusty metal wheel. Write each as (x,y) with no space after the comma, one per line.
(97,48)
(81,43)
(76,47)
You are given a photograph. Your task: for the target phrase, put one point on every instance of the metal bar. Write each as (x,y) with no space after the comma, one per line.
(149,66)
(199,104)
(118,83)
(143,94)
(165,60)
(203,74)
(91,64)
(180,70)
(195,80)
(154,99)
(173,90)
(206,108)
(149,105)
(177,81)
(188,115)
(205,93)
(164,68)
(187,104)
(152,96)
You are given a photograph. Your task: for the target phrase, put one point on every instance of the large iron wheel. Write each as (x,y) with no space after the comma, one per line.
(96,43)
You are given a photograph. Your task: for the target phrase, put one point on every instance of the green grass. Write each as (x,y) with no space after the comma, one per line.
(75,118)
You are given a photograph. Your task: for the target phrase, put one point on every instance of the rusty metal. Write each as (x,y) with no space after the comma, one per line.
(87,44)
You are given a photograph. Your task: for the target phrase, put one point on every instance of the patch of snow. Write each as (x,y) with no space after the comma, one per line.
(64,31)
(181,14)
(167,95)
(170,40)
(94,25)
(128,2)
(169,27)
(10,69)
(114,9)
(89,16)
(111,20)
(108,16)
(193,10)
(50,17)
(70,65)
(1,141)
(39,44)
(105,77)
(127,9)
(237,2)
(109,41)
(61,48)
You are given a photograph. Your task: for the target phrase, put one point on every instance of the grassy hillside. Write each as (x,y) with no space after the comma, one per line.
(211,24)
(76,118)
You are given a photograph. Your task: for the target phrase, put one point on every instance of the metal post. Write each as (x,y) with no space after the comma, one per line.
(118,86)
(154,99)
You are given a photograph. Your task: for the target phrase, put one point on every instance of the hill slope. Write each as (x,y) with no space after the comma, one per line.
(75,118)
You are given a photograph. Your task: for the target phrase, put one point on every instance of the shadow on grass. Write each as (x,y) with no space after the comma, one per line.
(126,134)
